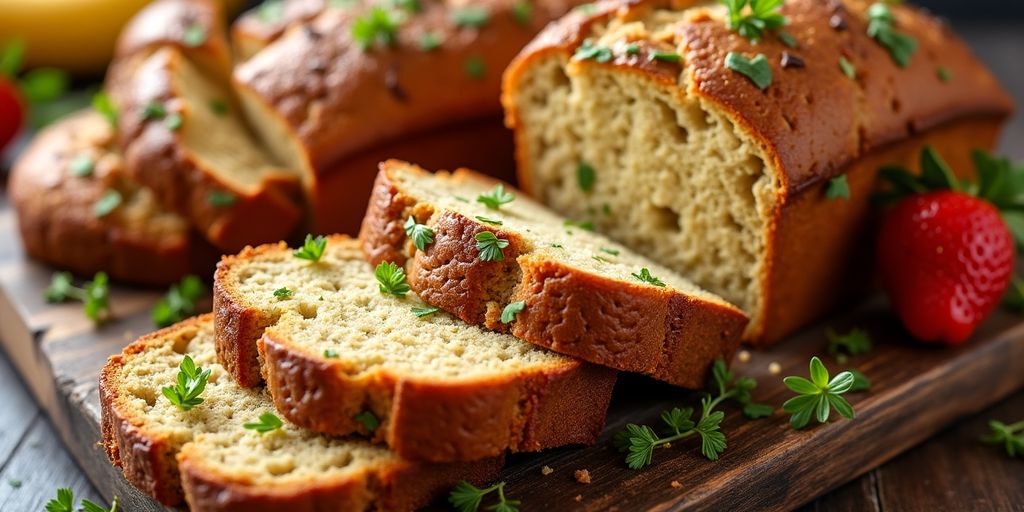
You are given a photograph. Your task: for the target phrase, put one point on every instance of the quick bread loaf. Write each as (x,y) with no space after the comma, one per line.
(570,290)
(78,209)
(726,182)
(206,458)
(334,347)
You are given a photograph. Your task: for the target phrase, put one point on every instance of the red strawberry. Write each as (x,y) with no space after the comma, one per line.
(12,112)
(945,259)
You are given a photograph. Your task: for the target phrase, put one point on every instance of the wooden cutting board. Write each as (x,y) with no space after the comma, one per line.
(916,391)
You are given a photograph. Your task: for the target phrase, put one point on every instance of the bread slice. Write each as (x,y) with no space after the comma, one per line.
(582,297)
(56,186)
(207,458)
(335,347)
(256,28)
(720,180)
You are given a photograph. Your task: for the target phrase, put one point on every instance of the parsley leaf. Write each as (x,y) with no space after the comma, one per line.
(379,26)
(511,311)
(589,51)
(190,384)
(901,46)
(391,279)
(194,36)
(312,249)
(470,17)
(645,277)
(95,294)
(107,203)
(82,166)
(283,293)
(838,188)
(488,220)
(421,235)
(841,347)
(421,311)
(762,15)
(368,420)
(466,497)
(490,246)
(757,69)
(61,288)
(496,197)
(585,176)
(818,396)
(179,303)
(268,422)
(1010,436)
(64,502)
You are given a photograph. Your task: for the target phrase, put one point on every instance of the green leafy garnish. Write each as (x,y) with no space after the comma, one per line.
(330,353)
(582,224)
(496,197)
(613,252)
(65,502)
(752,22)
(312,249)
(847,68)
(421,312)
(645,277)
(179,303)
(377,27)
(368,420)
(511,311)
(391,279)
(430,41)
(632,49)
(944,74)
(268,422)
(95,294)
(901,46)
(82,166)
(757,69)
(490,246)
(409,6)
(1010,436)
(838,188)
(861,382)
(786,38)
(818,396)
(466,497)
(283,293)
(194,36)
(470,16)
(153,110)
(173,121)
(102,103)
(190,384)
(488,220)
(421,235)
(107,203)
(842,347)
(589,51)
(219,107)
(475,67)
(221,199)
(585,176)
(662,56)
(14,483)
(522,11)
(639,441)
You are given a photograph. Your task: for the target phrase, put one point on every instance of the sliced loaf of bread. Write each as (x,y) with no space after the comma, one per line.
(207,458)
(79,210)
(547,279)
(336,350)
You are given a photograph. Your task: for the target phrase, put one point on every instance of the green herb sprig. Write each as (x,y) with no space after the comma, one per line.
(179,303)
(466,497)
(422,311)
(756,69)
(496,197)
(511,311)
(1010,436)
(378,27)
(753,22)
(268,422)
(838,188)
(490,246)
(312,249)
(95,294)
(368,420)
(818,396)
(881,28)
(842,347)
(65,502)
(391,279)
(590,51)
(190,384)
(421,235)
(645,277)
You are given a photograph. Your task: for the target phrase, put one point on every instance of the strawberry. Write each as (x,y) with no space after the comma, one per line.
(946,249)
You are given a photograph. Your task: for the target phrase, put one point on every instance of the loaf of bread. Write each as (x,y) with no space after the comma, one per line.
(575,292)
(319,98)
(334,348)
(79,210)
(260,26)
(630,110)
(206,457)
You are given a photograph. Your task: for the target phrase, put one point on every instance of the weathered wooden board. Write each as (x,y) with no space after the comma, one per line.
(917,389)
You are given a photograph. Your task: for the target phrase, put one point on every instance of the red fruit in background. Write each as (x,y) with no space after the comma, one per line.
(945,259)
(12,112)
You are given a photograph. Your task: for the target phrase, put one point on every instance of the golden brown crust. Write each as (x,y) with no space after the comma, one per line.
(660,332)
(261,25)
(525,410)
(169,474)
(138,241)
(168,23)
(159,158)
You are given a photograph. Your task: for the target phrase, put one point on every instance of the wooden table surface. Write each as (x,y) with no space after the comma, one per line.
(952,471)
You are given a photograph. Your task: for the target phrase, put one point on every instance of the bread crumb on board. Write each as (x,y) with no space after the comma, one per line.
(774,368)
(743,356)
(546,470)
(579,497)
(583,476)
(676,485)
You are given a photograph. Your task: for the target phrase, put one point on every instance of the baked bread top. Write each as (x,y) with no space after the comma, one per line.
(334,347)
(207,456)
(813,119)
(577,292)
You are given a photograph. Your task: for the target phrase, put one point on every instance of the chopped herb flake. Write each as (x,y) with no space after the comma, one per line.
(490,246)
(585,176)
(107,203)
(82,166)
(645,277)
(757,69)
(511,311)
